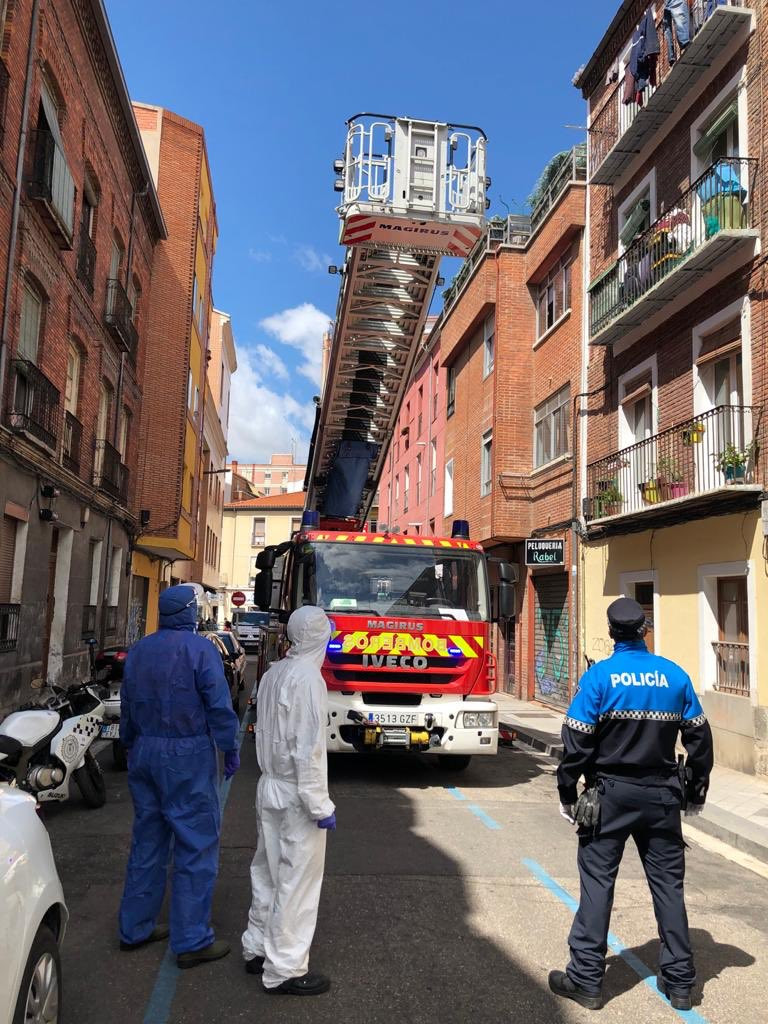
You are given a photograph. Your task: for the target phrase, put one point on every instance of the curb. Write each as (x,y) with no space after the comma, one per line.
(530,739)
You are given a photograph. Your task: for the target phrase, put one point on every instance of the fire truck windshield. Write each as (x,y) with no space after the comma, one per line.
(392,580)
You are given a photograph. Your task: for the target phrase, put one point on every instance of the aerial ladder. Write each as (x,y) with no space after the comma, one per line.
(412,191)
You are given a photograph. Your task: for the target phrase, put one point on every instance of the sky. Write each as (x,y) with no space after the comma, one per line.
(273,83)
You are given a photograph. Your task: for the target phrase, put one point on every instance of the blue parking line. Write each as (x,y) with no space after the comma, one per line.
(455,793)
(161,1000)
(615,944)
(486,819)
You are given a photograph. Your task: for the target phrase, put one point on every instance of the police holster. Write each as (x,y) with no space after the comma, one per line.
(587,811)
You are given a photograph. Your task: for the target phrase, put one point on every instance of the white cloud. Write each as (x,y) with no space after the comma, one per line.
(301,328)
(261,420)
(260,255)
(311,259)
(272,362)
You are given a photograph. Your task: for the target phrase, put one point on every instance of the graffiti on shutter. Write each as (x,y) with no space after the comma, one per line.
(551,640)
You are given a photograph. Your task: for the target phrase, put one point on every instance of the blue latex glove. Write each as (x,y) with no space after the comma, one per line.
(329,822)
(231,763)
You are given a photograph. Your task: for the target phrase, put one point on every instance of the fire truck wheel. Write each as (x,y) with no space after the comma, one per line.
(454,762)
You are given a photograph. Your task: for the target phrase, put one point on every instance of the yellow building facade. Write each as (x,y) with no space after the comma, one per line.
(248,527)
(675,572)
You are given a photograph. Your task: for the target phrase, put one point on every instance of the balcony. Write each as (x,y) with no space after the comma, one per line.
(118,316)
(573,168)
(710,461)
(707,233)
(34,405)
(86,261)
(51,184)
(9,626)
(620,131)
(110,475)
(732,668)
(73,440)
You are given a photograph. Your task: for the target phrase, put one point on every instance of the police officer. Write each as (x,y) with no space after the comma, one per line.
(620,735)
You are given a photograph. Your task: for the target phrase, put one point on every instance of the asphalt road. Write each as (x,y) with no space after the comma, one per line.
(440,904)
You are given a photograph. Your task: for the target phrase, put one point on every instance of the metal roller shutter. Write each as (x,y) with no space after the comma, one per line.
(551,640)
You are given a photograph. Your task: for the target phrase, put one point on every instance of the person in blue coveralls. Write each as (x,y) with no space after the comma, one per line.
(620,736)
(175,710)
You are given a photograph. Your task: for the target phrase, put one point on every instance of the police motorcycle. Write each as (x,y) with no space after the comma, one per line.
(47,744)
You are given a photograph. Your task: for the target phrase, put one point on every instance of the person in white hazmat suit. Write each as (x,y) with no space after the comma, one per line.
(294,812)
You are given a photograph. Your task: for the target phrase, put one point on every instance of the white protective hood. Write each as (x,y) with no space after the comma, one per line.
(309,632)
(291,717)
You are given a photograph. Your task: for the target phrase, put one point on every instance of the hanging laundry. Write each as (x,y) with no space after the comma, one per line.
(643,58)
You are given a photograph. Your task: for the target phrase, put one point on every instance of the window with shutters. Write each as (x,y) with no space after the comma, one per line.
(489,337)
(448,489)
(31,323)
(72,387)
(258,532)
(7,556)
(551,428)
(451,399)
(554,298)
(486,463)
(637,212)
(732,646)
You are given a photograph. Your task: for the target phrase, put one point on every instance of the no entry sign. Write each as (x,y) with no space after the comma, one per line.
(238,599)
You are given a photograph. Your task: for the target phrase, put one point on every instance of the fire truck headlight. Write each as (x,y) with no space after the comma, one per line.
(478,719)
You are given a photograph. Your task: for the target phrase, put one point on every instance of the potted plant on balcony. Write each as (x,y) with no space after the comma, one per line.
(732,461)
(693,433)
(608,500)
(650,490)
(671,478)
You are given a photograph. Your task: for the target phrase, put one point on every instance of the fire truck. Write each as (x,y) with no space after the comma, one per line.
(409,664)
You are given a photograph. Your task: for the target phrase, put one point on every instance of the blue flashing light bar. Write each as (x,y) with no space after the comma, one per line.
(310,520)
(460,529)
(335,646)
(454,652)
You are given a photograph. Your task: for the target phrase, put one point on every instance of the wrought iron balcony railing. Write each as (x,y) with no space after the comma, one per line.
(110,474)
(86,261)
(73,439)
(34,405)
(732,668)
(719,448)
(118,315)
(52,184)
(619,130)
(9,626)
(718,201)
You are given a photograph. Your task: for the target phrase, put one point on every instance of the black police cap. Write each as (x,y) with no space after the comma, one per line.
(626,614)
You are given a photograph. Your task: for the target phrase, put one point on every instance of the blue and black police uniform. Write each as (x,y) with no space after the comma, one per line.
(620,734)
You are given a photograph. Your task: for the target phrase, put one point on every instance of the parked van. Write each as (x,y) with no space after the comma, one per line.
(249,625)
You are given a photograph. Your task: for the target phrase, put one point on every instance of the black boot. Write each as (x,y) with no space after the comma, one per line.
(680,998)
(161,932)
(206,955)
(308,985)
(561,985)
(255,965)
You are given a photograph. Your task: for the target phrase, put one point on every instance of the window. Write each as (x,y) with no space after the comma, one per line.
(448,489)
(397,493)
(105,412)
(418,479)
(116,259)
(635,218)
(258,532)
(124,432)
(489,330)
(432,527)
(551,428)
(451,403)
(7,558)
(295,524)
(406,486)
(114,577)
(719,138)
(554,298)
(486,463)
(435,390)
(31,323)
(190,390)
(72,386)
(732,646)
(433,465)
(134,297)
(420,420)
(88,214)
(221,386)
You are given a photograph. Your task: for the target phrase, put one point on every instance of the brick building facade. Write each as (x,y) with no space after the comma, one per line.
(411,486)
(75,272)
(511,342)
(674,473)
(171,482)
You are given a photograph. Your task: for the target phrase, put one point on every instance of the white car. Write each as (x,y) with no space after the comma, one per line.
(32,912)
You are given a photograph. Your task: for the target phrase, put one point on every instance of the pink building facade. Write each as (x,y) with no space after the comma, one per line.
(411,493)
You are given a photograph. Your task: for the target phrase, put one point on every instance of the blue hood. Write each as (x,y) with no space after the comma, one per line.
(178,608)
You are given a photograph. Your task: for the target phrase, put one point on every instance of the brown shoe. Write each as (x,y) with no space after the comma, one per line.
(207,954)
